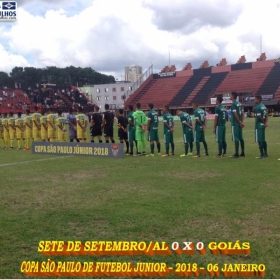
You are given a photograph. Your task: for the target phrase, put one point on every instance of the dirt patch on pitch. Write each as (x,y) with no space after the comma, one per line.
(191,176)
(65,177)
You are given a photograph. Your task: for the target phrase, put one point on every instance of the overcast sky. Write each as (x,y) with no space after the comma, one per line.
(108,35)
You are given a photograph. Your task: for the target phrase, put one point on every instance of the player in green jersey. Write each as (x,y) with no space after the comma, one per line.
(140,122)
(168,129)
(237,118)
(131,130)
(200,127)
(220,127)
(152,129)
(261,116)
(187,126)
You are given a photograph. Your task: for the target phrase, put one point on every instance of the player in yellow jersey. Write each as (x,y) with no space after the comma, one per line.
(19,124)
(12,129)
(61,127)
(5,124)
(44,127)
(82,123)
(28,130)
(51,125)
(1,129)
(36,126)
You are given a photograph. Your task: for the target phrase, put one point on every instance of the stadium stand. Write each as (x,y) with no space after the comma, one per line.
(16,100)
(203,96)
(243,80)
(162,90)
(272,81)
(186,90)
(181,88)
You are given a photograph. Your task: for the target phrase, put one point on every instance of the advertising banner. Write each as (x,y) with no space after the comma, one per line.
(113,150)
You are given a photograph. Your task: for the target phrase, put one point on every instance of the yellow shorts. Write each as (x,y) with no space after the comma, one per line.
(36,133)
(6,135)
(44,134)
(12,134)
(81,134)
(28,134)
(20,135)
(51,134)
(61,137)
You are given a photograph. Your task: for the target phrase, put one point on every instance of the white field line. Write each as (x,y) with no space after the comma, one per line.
(30,161)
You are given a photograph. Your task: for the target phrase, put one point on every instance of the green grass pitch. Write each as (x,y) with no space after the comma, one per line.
(143,199)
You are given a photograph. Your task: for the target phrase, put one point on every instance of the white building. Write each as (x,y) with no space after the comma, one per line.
(112,94)
(133,73)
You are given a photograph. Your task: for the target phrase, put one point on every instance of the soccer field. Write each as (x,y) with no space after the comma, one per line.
(144,199)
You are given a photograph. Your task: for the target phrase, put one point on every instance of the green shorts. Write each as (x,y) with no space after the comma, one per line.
(168,138)
(221,133)
(236,132)
(131,135)
(260,134)
(140,135)
(153,135)
(199,135)
(188,137)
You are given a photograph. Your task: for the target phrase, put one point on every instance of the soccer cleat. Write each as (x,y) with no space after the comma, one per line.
(242,155)
(165,155)
(196,156)
(206,154)
(150,155)
(184,155)
(224,155)
(27,149)
(218,156)
(172,154)
(234,156)
(260,157)
(265,156)
(11,148)
(189,154)
(143,153)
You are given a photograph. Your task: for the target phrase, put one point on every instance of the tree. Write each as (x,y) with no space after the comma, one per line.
(5,80)
(62,77)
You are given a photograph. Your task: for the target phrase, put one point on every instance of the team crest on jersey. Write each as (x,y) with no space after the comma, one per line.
(115,150)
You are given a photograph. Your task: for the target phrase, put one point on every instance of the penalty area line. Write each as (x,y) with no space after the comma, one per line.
(30,161)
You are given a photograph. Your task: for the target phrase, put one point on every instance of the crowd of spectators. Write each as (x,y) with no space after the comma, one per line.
(44,98)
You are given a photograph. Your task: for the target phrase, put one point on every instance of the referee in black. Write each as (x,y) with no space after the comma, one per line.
(96,125)
(108,124)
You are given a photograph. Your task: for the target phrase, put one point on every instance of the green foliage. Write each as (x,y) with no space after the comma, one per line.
(30,76)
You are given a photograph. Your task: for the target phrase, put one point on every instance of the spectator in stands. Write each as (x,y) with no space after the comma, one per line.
(25,95)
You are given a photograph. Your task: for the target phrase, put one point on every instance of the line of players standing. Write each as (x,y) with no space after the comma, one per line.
(139,125)
(133,128)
